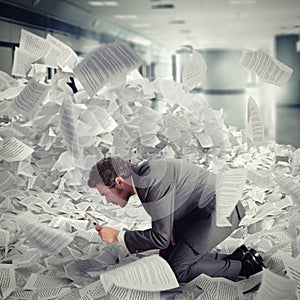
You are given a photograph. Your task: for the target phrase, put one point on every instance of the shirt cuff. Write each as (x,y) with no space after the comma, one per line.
(121,238)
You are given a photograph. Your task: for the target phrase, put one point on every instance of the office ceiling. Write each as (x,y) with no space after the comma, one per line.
(201,23)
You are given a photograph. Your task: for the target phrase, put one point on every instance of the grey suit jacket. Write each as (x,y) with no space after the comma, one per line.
(176,194)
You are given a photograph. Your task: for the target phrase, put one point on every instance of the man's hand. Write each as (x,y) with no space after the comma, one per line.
(107,234)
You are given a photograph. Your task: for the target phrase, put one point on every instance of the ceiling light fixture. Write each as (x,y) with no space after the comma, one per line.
(242,2)
(177,22)
(125,17)
(163,6)
(103,3)
(140,25)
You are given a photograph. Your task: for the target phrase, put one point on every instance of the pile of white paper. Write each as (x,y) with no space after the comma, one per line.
(50,138)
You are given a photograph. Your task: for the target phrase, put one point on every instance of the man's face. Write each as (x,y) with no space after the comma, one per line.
(113,195)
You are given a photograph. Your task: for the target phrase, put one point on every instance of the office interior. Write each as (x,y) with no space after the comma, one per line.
(157,30)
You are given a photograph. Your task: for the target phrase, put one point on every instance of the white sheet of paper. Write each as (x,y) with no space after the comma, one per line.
(67,127)
(288,185)
(22,61)
(30,98)
(204,139)
(261,178)
(194,70)
(94,289)
(129,294)
(7,81)
(64,163)
(39,281)
(36,45)
(228,192)
(255,127)
(62,55)
(292,267)
(150,273)
(14,150)
(268,68)
(104,63)
(219,288)
(276,287)
(7,279)
(47,239)
(25,168)
(4,239)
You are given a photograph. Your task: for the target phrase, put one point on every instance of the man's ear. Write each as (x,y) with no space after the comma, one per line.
(119,180)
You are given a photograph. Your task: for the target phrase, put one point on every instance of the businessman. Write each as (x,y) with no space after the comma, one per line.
(180,198)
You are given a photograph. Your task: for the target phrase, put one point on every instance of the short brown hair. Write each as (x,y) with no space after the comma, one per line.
(107,169)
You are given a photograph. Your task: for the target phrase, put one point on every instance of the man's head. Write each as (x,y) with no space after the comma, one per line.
(111,176)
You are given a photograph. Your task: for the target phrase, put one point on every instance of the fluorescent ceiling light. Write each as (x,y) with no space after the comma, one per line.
(179,21)
(163,6)
(125,17)
(103,3)
(140,25)
(242,2)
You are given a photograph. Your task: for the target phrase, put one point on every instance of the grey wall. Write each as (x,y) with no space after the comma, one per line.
(224,71)
(285,49)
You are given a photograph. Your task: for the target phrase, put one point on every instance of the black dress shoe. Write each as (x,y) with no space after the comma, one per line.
(250,264)
(238,253)
(257,256)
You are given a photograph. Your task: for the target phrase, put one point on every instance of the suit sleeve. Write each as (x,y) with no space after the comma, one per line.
(161,211)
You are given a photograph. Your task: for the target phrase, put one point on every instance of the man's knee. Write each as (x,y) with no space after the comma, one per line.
(181,273)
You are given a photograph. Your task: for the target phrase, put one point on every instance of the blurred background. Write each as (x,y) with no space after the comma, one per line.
(157,30)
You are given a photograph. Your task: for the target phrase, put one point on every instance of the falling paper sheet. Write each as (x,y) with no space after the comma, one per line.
(36,45)
(255,129)
(228,192)
(104,63)
(47,239)
(30,98)
(32,48)
(22,62)
(67,126)
(61,54)
(266,67)
(194,70)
